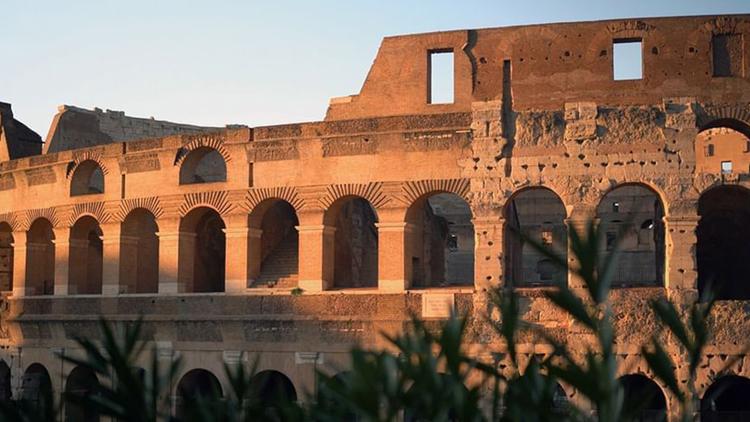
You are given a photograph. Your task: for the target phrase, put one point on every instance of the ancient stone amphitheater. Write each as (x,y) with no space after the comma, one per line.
(298,241)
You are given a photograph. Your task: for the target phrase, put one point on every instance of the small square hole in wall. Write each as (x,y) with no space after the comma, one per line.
(627,63)
(726,167)
(440,78)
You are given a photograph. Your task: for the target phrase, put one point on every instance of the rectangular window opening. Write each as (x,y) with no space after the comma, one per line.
(627,63)
(727,54)
(709,150)
(726,167)
(441,80)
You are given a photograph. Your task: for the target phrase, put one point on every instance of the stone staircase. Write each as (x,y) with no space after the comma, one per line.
(280,269)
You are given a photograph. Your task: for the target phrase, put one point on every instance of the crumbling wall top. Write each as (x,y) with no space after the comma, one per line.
(75,127)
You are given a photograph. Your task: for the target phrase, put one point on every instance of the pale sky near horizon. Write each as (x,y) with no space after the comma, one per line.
(247,62)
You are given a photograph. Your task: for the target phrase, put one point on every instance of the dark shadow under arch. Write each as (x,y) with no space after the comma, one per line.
(643,398)
(196,385)
(723,249)
(81,382)
(727,400)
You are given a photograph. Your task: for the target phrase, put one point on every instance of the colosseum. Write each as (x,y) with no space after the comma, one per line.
(295,242)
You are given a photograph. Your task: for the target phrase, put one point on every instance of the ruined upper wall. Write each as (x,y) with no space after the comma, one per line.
(74,127)
(553,64)
(16,139)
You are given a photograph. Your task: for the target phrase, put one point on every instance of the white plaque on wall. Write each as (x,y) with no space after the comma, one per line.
(437,305)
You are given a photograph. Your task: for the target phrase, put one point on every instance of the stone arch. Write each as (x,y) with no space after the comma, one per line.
(40,258)
(203,165)
(722,249)
(196,385)
(726,400)
(86,257)
(274,244)
(86,178)
(439,240)
(139,252)
(354,249)
(631,216)
(202,251)
(151,204)
(81,382)
(644,397)
(536,214)
(371,192)
(285,193)
(6,256)
(36,387)
(274,389)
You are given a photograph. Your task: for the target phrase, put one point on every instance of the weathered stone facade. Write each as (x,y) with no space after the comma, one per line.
(206,232)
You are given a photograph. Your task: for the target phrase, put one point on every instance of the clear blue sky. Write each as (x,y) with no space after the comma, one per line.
(250,62)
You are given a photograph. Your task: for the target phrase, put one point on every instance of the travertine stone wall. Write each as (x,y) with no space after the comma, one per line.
(535,107)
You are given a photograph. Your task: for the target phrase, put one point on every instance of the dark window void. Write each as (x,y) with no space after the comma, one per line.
(535,215)
(440,79)
(727,54)
(81,382)
(644,398)
(440,241)
(627,61)
(635,229)
(198,386)
(203,165)
(723,250)
(88,179)
(726,400)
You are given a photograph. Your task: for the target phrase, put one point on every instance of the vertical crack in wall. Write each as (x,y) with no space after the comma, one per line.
(508,118)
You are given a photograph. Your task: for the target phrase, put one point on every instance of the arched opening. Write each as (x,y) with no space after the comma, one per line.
(139,253)
(440,241)
(85,270)
(644,397)
(88,179)
(722,148)
(275,255)
(726,400)
(40,258)
(723,250)
(198,385)
(274,390)
(535,214)
(632,220)
(355,245)
(81,383)
(5,391)
(36,387)
(203,165)
(202,251)
(6,257)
